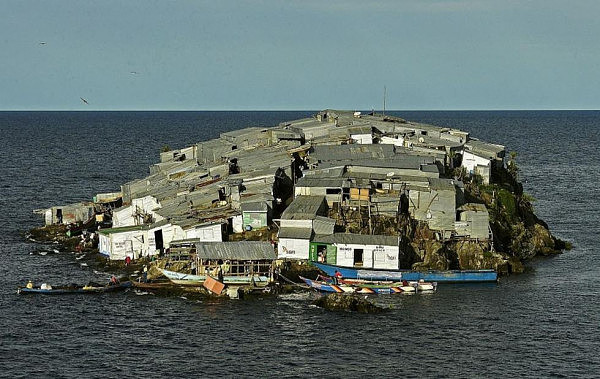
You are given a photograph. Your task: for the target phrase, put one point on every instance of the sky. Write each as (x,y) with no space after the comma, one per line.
(299,54)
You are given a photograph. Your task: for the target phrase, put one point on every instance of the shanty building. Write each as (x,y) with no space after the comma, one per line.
(473,222)
(332,188)
(67,214)
(474,163)
(482,158)
(435,205)
(356,250)
(140,211)
(133,241)
(297,225)
(256,215)
(240,258)
(179,155)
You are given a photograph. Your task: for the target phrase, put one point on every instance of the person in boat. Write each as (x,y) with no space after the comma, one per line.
(145,274)
(29,284)
(337,277)
(113,280)
(127,260)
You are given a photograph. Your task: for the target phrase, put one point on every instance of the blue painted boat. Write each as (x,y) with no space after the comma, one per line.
(449,276)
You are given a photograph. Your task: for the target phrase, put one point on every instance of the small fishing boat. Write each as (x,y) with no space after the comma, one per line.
(198,280)
(416,285)
(365,287)
(73,289)
(447,276)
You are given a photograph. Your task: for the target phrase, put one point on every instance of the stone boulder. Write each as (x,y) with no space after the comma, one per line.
(433,256)
(474,255)
(348,303)
(542,240)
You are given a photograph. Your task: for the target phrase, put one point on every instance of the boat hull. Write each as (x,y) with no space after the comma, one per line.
(198,280)
(73,290)
(358,289)
(450,276)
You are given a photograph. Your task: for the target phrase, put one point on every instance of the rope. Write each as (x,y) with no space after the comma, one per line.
(292,282)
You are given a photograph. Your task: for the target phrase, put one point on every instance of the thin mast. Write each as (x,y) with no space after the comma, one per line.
(384,96)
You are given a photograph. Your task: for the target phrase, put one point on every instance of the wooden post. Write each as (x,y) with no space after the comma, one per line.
(370,225)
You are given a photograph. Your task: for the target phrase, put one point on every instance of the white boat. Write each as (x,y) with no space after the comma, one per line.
(197,280)
(423,286)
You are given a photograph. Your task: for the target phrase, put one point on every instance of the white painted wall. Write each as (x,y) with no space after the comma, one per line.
(146,203)
(291,248)
(126,216)
(374,256)
(123,217)
(237,224)
(470,161)
(301,191)
(398,141)
(362,139)
(119,245)
(136,243)
(209,233)
(48,216)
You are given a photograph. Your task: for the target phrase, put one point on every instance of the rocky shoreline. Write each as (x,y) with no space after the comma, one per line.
(439,182)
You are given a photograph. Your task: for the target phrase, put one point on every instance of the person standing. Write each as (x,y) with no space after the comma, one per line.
(337,277)
(145,274)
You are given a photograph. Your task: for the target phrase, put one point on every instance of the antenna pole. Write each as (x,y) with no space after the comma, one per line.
(384,95)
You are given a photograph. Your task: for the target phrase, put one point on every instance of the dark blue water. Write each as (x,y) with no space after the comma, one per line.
(539,324)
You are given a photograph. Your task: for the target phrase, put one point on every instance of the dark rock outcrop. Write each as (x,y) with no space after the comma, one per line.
(348,303)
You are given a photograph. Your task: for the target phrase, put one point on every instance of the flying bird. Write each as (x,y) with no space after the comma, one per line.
(84,100)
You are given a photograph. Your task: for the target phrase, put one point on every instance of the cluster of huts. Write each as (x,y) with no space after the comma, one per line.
(292,181)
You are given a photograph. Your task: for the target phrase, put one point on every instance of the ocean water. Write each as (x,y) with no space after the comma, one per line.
(539,324)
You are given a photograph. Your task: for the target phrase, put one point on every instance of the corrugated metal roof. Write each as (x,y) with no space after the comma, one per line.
(331,172)
(484,147)
(323,225)
(442,184)
(124,229)
(303,208)
(358,239)
(414,162)
(308,181)
(295,233)
(190,223)
(241,250)
(231,135)
(255,207)
(351,152)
